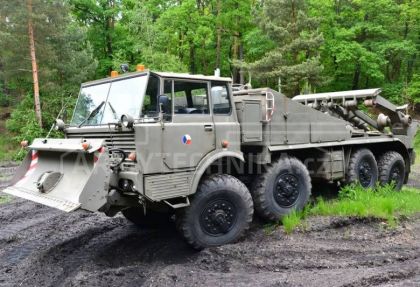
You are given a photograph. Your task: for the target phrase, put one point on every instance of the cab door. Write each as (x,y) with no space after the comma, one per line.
(225,122)
(190,134)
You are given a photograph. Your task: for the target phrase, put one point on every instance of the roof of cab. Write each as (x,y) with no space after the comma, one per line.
(160,74)
(192,77)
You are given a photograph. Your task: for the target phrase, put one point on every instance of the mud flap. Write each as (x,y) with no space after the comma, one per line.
(59,175)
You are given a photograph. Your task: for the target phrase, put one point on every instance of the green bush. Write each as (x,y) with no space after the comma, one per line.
(24,125)
(23,121)
(8,147)
(4,100)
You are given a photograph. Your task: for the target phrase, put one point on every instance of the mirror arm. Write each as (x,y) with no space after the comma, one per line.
(162,123)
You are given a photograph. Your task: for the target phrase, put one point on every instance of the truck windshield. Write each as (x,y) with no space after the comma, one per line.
(112,101)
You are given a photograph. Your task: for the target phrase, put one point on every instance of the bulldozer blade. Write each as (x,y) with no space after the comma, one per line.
(57,175)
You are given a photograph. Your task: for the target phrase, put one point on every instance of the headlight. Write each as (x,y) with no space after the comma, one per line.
(127,121)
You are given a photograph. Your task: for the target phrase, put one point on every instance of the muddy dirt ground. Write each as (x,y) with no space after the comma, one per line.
(40,246)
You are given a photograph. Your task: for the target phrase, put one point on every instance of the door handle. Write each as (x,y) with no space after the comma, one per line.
(208,128)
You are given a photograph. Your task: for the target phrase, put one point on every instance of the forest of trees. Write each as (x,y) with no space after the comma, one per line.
(302,45)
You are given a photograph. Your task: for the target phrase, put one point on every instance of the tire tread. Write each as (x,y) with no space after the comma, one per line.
(384,164)
(208,184)
(259,189)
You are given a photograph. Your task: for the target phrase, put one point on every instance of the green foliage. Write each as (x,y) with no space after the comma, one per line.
(311,45)
(381,202)
(4,99)
(291,221)
(369,44)
(23,122)
(8,147)
(295,58)
(417,146)
(413,89)
(64,57)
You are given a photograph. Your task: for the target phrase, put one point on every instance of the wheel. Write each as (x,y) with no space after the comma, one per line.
(152,219)
(362,168)
(284,186)
(220,212)
(391,168)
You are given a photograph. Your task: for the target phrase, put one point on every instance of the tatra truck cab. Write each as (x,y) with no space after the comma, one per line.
(157,146)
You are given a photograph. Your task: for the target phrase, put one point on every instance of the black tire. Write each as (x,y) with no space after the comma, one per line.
(220,212)
(362,168)
(391,168)
(152,219)
(284,186)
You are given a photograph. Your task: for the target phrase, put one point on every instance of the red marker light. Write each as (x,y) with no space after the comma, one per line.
(85,145)
(132,156)
(225,144)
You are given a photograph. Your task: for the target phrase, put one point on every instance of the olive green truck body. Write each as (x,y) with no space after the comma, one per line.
(147,141)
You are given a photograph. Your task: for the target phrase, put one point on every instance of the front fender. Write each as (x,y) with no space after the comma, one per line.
(208,160)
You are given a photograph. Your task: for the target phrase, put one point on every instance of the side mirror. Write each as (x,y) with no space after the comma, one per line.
(127,121)
(165,103)
(60,125)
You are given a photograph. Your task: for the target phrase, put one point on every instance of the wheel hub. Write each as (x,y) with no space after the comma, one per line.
(365,173)
(218,217)
(395,175)
(286,190)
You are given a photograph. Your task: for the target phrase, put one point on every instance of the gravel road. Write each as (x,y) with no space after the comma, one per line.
(40,246)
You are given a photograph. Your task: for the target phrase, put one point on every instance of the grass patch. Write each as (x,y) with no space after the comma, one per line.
(291,221)
(382,202)
(4,199)
(417,146)
(8,147)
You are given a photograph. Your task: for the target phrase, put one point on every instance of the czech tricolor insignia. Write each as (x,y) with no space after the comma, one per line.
(186,139)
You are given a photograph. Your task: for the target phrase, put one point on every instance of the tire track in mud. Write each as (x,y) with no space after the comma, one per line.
(40,246)
(78,242)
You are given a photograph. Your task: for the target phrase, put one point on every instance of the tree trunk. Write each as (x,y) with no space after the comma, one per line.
(34,64)
(235,54)
(356,76)
(219,35)
(109,28)
(410,67)
(192,57)
(241,58)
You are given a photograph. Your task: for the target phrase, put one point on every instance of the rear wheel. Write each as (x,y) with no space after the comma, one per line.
(220,212)
(362,168)
(284,186)
(391,168)
(152,219)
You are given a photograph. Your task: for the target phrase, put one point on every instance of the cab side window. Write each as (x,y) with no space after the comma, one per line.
(190,97)
(150,104)
(220,98)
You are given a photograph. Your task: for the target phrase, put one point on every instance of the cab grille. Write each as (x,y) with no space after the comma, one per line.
(121,140)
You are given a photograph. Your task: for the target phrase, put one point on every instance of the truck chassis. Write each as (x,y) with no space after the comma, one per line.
(157,145)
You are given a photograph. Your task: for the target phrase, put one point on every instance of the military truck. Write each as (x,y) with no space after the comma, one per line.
(158,146)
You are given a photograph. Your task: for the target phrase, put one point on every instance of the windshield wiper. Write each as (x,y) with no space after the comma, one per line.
(92,114)
(114,113)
